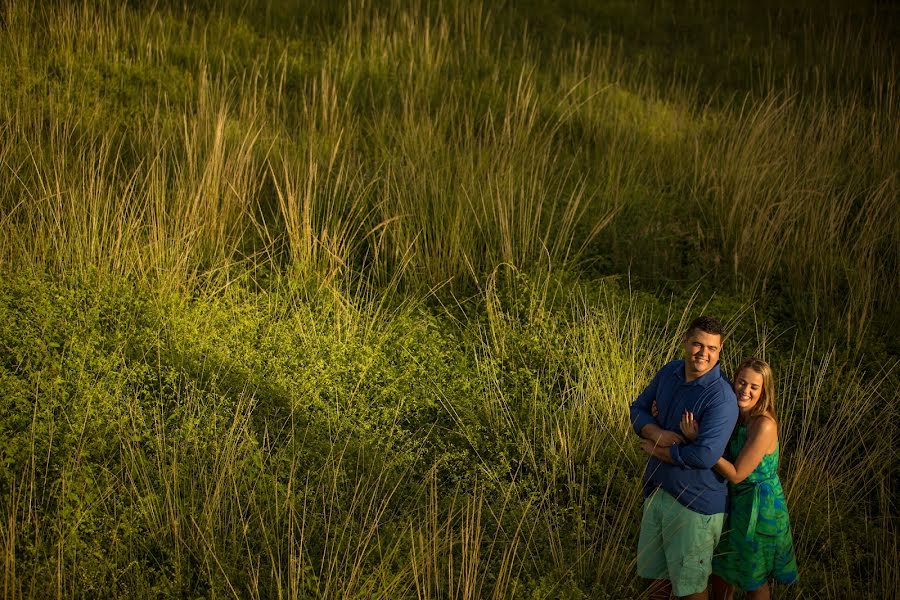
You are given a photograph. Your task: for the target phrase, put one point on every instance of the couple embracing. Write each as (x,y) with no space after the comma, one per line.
(713,504)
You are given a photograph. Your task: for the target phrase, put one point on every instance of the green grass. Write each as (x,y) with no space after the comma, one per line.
(351,300)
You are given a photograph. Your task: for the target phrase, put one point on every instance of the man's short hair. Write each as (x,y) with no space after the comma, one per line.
(706,324)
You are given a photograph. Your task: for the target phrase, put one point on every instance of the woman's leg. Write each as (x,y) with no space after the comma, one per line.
(721,589)
(761,593)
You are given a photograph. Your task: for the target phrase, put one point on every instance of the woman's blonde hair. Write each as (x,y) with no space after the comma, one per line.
(766,404)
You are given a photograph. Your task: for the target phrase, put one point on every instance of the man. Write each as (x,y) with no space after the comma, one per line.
(684,499)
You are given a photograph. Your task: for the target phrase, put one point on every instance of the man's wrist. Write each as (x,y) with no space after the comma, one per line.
(650,431)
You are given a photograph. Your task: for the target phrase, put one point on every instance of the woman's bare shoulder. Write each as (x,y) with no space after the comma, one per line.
(765,428)
(764,424)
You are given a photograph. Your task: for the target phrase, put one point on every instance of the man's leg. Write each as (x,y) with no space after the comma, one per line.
(721,589)
(651,558)
(704,595)
(659,589)
(689,539)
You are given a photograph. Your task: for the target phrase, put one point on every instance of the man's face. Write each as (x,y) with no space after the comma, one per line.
(701,353)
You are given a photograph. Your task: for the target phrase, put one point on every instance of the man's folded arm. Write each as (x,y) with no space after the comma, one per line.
(715,430)
(640,408)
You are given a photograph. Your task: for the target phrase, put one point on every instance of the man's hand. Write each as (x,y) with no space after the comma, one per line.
(653,450)
(668,438)
(659,436)
(663,438)
(690,427)
(648,446)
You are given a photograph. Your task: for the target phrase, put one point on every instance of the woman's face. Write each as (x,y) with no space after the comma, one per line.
(748,387)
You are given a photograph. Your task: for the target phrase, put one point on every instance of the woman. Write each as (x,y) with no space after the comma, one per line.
(756,545)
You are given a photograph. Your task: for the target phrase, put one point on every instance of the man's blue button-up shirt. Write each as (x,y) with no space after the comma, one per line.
(691,479)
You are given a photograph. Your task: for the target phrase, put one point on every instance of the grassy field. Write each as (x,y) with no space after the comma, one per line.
(349,300)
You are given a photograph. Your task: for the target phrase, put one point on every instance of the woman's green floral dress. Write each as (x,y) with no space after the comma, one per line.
(756,543)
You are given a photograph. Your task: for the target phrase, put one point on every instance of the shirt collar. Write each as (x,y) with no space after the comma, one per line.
(704,380)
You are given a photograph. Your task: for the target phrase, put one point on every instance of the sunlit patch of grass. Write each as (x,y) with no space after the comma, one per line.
(307,313)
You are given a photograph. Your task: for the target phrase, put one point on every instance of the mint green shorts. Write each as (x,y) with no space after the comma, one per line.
(677,543)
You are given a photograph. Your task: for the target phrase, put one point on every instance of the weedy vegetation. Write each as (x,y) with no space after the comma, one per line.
(349,300)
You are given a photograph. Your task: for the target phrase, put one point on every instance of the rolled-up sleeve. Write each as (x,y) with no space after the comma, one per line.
(716,425)
(640,408)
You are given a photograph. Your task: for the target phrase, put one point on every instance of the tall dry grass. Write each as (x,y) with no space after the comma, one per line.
(413,149)
(382,158)
(443,191)
(802,194)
